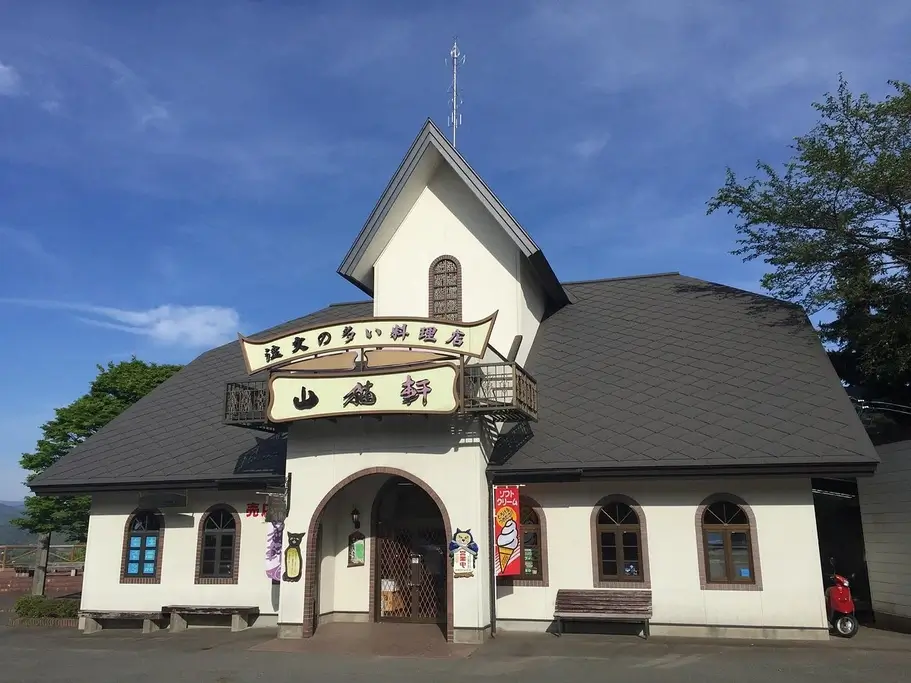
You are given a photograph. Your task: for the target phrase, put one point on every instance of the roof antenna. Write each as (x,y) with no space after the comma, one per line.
(457,59)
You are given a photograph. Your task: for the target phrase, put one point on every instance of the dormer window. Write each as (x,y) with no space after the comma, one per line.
(445,289)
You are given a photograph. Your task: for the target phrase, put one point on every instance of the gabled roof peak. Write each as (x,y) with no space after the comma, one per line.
(429,149)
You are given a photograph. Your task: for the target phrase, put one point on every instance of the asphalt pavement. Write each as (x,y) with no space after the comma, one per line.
(217,656)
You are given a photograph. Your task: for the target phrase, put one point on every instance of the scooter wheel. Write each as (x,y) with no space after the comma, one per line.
(846,626)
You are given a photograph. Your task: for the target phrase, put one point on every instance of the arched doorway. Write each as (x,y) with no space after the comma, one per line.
(310,611)
(410,566)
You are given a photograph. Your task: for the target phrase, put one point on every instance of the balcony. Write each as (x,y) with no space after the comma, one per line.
(246,404)
(504,391)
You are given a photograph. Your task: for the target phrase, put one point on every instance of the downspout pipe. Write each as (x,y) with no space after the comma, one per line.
(490,561)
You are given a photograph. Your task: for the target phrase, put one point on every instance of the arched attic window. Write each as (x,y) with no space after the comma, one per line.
(445,289)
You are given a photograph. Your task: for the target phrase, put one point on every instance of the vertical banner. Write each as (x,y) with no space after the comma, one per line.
(507,560)
(274,551)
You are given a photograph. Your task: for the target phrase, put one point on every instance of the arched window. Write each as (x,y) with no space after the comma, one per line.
(620,556)
(530,542)
(218,553)
(445,289)
(532,546)
(727,544)
(142,543)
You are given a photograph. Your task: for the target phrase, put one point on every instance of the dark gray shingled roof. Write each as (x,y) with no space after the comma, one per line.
(648,374)
(668,371)
(175,435)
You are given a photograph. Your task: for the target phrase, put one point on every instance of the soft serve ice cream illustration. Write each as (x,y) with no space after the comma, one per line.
(507,542)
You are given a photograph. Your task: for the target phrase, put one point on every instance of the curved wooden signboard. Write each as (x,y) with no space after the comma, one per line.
(443,336)
(422,390)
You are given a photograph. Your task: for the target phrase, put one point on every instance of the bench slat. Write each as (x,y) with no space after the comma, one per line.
(206,610)
(598,615)
(612,604)
(121,615)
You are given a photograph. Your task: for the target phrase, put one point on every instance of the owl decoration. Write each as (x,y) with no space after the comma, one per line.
(294,561)
(464,553)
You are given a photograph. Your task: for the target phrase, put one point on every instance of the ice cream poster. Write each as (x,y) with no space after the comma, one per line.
(506,530)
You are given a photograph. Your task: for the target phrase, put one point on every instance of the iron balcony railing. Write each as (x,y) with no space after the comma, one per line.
(504,391)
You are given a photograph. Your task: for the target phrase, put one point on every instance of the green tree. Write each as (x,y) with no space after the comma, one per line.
(835,226)
(115,389)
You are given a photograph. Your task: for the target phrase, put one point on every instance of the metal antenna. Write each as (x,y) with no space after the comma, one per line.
(457,59)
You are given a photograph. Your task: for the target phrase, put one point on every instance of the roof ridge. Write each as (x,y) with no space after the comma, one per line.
(347,303)
(669,273)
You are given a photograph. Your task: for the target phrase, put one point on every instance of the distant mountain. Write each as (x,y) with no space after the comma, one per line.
(10,535)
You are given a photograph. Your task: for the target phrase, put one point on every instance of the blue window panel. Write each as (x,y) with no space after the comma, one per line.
(148,568)
(134,556)
(133,568)
(151,541)
(135,541)
(149,556)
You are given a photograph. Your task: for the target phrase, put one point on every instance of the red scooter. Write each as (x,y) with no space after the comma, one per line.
(840,606)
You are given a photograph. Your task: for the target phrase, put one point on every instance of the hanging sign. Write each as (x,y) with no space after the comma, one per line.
(506,530)
(462,339)
(429,389)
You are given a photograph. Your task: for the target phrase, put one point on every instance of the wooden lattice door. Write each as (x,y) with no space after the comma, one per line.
(411,564)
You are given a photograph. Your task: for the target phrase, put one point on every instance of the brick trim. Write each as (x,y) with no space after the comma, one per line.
(200,535)
(646,581)
(125,546)
(754,546)
(309,616)
(430,300)
(544,581)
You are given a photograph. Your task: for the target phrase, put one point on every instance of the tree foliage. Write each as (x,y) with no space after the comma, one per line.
(835,226)
(115,389)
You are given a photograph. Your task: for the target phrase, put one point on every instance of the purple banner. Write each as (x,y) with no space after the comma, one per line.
(274,551)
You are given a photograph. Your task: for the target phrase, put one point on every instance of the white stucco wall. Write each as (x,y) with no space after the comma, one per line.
(792,590)
(885,506)
(345,589)
(102,589)
(448,219)
(321,454)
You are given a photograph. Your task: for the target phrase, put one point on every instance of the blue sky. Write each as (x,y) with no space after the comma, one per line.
(174,172)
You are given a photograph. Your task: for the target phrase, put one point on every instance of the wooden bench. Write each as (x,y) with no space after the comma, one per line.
(151,621)
(240,616)
(634,606)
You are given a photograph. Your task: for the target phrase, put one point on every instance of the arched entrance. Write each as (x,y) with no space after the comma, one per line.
(385,505)
(409,557)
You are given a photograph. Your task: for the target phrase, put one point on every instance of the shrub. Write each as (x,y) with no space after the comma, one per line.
(40,606)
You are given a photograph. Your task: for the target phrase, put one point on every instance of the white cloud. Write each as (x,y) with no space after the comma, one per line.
(717,49)
(192,326)
(591,147)
(26,243)
(10,82)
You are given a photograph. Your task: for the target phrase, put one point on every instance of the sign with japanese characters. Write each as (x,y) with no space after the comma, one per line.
(506,530)
(425,389)
(462,339)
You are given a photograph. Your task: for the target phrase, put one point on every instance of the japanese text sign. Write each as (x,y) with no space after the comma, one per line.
(462,339)
(425,389)
(506,530)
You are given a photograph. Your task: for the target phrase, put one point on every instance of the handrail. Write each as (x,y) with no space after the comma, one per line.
(16,556)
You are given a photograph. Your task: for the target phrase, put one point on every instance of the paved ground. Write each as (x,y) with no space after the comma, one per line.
(216,656)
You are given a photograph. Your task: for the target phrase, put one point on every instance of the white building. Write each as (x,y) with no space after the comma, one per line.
(663,431)
(885,504)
